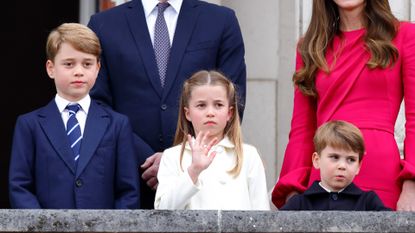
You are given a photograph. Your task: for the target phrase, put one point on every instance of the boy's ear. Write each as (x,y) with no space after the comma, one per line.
(358,169)
(50,68)
(98,66)
(360,164)
(316,160)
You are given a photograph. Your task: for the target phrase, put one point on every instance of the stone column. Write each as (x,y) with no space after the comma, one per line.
(269,29)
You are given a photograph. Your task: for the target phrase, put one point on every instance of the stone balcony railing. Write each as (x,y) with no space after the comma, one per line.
(203,221)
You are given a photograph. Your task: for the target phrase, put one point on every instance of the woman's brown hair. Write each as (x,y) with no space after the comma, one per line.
(381,27)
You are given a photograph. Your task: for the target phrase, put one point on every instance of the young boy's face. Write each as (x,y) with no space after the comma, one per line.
(337,167)
(74,72)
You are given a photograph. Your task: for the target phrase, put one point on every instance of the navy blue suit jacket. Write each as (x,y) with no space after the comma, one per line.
(43,173)
(351,198)
(207,36)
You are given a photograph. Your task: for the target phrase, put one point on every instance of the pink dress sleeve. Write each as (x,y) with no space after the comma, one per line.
(297,163)
(408,73)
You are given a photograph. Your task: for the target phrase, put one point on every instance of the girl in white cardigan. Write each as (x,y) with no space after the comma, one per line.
(209,167)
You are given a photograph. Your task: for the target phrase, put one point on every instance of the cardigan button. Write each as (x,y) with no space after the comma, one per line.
(335,196)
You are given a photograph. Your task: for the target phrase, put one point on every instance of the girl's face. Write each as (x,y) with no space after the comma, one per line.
(74,72)
(208,110)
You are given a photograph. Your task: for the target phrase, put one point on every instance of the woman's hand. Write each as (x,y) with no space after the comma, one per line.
(406,200)
(201,159)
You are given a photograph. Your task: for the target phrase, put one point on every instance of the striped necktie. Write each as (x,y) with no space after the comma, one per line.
(73,130)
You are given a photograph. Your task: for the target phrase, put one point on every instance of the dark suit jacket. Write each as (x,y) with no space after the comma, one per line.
(351,198)
(207,36)
(43,173)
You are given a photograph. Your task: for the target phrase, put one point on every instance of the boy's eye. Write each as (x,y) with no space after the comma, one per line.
(87,64)
(334,157)
(67,63)
(351,160)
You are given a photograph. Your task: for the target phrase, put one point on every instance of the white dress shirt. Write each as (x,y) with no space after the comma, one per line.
(80,115)
(170,15)
(216,188)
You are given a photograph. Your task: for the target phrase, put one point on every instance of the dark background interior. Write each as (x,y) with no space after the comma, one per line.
(26,25)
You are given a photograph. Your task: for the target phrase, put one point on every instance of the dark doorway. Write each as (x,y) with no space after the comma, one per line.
(27,85)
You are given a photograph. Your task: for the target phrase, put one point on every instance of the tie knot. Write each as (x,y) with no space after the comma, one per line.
(73,108)
(162,6)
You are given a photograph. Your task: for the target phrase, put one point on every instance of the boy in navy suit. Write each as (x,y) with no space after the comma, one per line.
(339,149)
(80,158)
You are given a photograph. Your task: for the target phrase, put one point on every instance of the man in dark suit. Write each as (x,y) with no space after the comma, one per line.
(201,36)
(73,153)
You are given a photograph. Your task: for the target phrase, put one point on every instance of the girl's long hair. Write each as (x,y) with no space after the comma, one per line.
(232,128)
(381,27)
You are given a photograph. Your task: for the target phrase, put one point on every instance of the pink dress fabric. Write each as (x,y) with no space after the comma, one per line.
(368,98)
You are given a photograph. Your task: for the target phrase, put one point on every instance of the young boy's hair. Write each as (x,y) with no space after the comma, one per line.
(232,129)
(77,35)
(339,135)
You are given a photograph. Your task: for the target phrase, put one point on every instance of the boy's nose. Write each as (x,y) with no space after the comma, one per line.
(341,165)
(78,71)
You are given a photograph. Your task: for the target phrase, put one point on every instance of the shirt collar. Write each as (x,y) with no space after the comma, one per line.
(327,189)
(150,5)
(62,103)
(316,188)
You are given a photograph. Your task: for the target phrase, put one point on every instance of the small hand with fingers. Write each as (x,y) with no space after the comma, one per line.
(201,158)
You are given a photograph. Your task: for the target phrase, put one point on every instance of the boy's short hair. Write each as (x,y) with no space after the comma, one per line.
(77,35)
(339,135)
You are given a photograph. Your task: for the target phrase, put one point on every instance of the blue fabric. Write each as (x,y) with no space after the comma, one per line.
(73,130)
(42,170)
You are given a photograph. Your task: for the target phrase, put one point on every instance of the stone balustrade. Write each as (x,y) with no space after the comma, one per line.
(203,221)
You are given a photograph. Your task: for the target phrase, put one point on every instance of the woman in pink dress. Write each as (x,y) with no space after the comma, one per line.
(356,62)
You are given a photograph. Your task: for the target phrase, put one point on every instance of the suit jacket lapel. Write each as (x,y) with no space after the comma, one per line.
(185,24)
(51,122)
(138,26)
(96,124)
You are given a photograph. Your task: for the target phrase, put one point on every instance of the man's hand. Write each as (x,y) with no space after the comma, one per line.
(150,168)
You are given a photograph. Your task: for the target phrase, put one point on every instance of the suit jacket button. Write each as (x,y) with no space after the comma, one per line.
(163,107)
(78,183)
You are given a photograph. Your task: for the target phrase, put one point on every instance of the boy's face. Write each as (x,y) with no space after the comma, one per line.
(74,72)
(337,167)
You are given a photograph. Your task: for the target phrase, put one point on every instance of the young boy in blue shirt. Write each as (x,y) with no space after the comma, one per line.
(339,150)
(73,153)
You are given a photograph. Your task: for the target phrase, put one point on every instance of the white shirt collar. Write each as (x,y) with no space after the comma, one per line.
(150,5)
(327,189)
(62,103)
